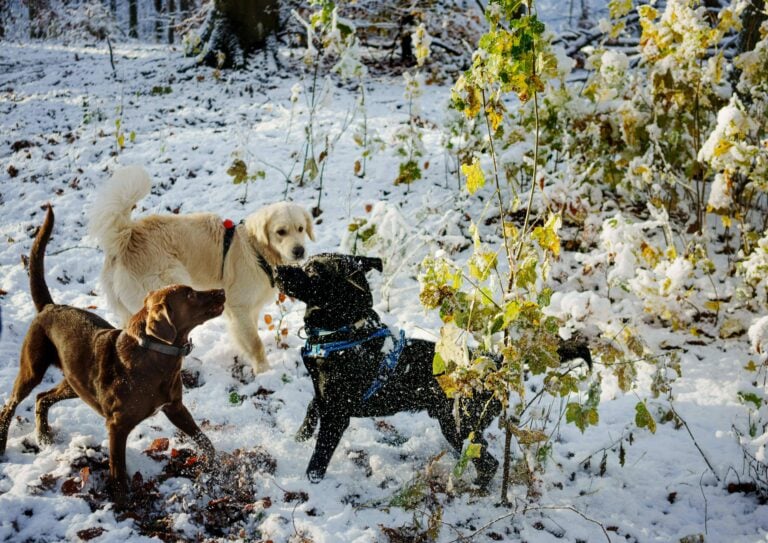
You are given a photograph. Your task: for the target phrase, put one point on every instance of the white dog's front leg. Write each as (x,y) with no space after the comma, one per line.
(243,322)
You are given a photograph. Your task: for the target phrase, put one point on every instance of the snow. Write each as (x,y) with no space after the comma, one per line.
(65,100)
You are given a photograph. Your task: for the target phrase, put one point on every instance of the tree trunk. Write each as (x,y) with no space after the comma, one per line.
(186,7)
(133,19)
(236,28)
(171,20)
(753,17)
(37,17)
(158,20)
(2,17)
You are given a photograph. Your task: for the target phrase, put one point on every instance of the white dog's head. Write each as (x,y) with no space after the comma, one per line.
(280,230)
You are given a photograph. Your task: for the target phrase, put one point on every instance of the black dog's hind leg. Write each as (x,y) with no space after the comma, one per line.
(331,430)
(486,465)
(310,422)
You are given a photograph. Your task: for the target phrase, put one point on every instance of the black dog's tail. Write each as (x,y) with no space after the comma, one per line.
(37,287)
(573,348)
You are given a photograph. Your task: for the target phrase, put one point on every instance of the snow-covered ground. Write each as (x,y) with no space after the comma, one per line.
(58,110)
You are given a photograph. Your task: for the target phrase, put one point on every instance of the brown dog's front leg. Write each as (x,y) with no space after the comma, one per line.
(182,419)
(118,436)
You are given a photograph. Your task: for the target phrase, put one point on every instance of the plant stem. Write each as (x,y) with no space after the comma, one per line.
(498,184)
(507,453)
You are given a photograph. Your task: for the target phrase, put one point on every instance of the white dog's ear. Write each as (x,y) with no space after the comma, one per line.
(260,227)
(159,323)
(310,225)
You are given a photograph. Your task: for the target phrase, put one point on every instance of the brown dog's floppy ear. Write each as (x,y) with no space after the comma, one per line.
(310,225)
(159,323)
(366,263)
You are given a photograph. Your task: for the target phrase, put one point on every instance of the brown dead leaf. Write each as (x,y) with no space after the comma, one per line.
(295,496)
(85,474)
(70,487)
(90,533)
(160,444)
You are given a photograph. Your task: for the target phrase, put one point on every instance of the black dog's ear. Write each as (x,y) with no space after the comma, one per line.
(366,263)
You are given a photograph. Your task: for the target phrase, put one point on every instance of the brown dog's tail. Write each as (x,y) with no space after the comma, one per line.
(37,287)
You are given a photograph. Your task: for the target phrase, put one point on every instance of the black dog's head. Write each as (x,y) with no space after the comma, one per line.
(333,286)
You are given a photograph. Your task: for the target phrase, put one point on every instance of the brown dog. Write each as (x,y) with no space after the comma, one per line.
(125,375)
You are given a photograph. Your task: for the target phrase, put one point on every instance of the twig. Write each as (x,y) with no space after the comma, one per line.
(706,504)
(526,510)
(687,428)
(52,253)
(111,58)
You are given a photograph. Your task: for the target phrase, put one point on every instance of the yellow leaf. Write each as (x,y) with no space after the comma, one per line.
(547,235)
(671,252)
(448,385)
(474,174)
(722,147)
(726,220)
(650,254)
(712,305)
(647,12)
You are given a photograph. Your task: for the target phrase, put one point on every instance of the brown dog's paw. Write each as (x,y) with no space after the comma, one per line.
(45,439)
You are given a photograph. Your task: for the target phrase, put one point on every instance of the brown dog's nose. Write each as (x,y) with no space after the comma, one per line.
(298,252)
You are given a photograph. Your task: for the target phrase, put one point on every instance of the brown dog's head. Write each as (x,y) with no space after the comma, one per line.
(172,312)
(280,231)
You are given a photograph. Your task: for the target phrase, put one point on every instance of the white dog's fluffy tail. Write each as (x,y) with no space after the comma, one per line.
(110,215)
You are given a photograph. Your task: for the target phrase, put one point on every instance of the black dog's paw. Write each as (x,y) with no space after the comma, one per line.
(315,476)
(486,468)
(304,433)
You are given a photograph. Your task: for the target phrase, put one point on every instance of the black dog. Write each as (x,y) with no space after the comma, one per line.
(360,369)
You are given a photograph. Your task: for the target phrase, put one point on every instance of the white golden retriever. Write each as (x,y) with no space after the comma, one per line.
(157,250)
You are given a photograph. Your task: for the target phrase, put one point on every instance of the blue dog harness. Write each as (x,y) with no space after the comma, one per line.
(388,363)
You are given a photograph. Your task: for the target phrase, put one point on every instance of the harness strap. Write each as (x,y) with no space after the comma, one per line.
(266,267)
(171,350)
(322,350)
(387,367)
(229,233)
(314,334)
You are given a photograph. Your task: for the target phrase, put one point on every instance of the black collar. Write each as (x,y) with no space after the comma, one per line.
(163,348)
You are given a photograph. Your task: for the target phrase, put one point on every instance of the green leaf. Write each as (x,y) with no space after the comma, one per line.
(526,273)
(581,415)
(438,365)
(472,450)
(408,173)
(239,171)
(643,418)
(751,397)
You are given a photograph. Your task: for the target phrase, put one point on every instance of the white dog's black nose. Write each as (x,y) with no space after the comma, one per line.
(298,252)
